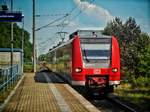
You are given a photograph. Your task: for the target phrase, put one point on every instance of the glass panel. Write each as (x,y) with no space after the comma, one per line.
(96,51)
(96,46)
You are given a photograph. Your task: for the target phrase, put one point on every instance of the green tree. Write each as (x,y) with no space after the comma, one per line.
(143,46)
(5,39)
(133,45)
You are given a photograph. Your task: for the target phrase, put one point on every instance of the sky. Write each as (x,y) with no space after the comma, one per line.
(82,14)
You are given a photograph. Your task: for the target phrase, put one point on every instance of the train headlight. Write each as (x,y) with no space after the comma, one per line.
(115,70)
(78,70)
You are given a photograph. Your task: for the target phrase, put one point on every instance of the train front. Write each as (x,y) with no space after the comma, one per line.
(96,61)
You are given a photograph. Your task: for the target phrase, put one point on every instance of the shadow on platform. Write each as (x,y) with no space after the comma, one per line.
(39,77)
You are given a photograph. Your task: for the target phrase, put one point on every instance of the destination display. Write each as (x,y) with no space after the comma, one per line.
(95,40)
(10,16)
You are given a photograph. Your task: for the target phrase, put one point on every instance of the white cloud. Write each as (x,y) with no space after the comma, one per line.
(73,23)
(94,10)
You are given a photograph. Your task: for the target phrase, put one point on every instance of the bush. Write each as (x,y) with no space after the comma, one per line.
(143,82)
(27,68)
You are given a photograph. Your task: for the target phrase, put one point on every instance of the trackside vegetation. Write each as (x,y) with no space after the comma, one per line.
(135,61)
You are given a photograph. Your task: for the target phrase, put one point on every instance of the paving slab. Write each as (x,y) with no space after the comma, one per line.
(32,96)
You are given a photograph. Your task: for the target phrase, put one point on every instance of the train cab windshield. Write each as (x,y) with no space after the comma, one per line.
(95,51)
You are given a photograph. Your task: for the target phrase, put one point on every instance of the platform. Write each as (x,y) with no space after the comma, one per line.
(36,96)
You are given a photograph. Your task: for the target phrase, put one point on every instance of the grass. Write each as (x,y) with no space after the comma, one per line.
(139,96)
(4,94)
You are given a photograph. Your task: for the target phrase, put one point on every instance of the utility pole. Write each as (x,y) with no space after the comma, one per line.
(22,46)
(12,40)
(33,36)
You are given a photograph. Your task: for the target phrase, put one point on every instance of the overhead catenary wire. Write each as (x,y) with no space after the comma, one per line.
(74,17)
(43,42)
(48,25)
(62,24)
(46,15)
(64,18)
(58,19)
(81,11)
(70,12)
(57,25)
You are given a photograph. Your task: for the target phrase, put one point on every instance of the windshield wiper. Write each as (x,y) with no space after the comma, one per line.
(85,56)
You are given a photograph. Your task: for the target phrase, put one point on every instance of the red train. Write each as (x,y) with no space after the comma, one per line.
(90,59)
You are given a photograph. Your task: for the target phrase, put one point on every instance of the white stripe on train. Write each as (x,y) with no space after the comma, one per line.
(83,82)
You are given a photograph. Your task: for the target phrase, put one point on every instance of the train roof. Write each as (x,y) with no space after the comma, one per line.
(88,34)
(61,45)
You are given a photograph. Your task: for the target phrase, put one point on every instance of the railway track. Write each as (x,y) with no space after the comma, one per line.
(103,103)
(106,104)
(114,99)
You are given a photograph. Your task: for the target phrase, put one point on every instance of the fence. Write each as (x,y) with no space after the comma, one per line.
(9,76)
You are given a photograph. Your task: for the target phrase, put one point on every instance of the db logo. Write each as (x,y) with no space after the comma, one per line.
(97,71)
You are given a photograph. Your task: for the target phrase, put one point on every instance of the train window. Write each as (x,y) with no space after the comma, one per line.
(96,54)
(96,51)
(96,46)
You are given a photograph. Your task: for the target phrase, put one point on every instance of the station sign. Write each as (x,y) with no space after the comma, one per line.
(7,16)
